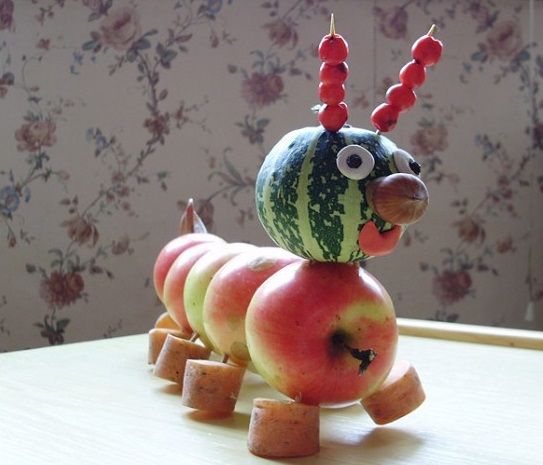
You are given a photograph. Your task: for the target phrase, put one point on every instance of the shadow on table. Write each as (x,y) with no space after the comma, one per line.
(380,445)
(235,420)
(381,437)
(171,388)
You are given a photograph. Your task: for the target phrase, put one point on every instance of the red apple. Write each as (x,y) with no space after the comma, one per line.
(174,284)
(322,333)
(230,292)
(171,251)
(198,280)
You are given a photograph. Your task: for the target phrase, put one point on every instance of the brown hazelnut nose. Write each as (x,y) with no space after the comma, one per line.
(399,198)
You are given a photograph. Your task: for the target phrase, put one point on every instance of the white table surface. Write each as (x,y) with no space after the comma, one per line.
(98,403)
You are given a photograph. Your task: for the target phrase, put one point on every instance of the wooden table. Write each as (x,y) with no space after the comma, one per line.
(98,403)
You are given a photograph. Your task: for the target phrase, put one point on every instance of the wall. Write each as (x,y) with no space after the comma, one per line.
(114,112)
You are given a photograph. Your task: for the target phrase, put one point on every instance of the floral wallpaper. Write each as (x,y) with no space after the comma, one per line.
(115,112)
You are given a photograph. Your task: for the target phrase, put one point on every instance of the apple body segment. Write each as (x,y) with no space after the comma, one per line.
(171,251)
(230,292)
(197,283)
(304,323)
(174,284)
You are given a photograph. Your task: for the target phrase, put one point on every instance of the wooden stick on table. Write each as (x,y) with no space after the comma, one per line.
(472,333)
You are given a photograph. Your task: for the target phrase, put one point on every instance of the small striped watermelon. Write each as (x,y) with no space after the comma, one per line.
(307,205)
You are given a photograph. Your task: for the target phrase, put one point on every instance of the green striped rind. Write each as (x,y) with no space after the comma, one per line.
(277,190)
(326,189)
(303,208)
(306,205)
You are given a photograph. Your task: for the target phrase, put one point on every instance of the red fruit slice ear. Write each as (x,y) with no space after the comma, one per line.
(375,243)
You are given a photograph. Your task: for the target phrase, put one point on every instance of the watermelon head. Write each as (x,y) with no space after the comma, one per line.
(338,196)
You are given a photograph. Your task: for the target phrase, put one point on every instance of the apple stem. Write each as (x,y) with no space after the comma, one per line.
(194,336)
(225,358)
(190,221)
(186,225)
(365,356)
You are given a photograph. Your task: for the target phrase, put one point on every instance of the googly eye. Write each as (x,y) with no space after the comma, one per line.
(355,162)
(406,163)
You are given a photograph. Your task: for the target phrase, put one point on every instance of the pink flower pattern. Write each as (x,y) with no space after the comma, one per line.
(61,290)
(451,286)
(81,230)
(504,40)
(120,28)
(35,135)
(282,32)
(429,140)
(261,90)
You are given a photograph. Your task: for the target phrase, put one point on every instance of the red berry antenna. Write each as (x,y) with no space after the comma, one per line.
(333,51)
(426,51)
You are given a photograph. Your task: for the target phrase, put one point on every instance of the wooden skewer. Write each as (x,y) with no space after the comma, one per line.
(332,25)
(432,30)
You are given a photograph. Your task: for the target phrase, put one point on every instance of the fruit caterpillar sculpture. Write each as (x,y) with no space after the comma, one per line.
(315,325)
